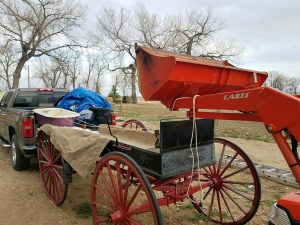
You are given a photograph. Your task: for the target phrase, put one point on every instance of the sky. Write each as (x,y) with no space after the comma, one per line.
(268,30)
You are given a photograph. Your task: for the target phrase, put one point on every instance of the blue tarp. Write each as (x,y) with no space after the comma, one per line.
(80,99)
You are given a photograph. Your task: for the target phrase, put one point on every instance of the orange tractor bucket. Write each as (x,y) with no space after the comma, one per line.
(165,76)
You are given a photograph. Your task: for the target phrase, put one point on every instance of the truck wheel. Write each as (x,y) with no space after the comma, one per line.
(18,161)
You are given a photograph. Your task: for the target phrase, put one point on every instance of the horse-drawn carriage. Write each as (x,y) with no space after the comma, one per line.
(136,172)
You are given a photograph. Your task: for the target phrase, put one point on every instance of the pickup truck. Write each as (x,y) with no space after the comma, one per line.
(17,122)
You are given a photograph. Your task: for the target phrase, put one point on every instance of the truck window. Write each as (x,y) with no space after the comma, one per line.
(3,99)
(36,99)
(6,99)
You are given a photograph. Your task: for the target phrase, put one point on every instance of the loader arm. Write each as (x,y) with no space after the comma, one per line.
(193,83)
(277,110)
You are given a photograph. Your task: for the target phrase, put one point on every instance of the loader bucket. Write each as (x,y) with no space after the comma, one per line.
(164,76)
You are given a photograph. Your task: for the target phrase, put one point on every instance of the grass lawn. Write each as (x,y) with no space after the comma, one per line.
(151,113)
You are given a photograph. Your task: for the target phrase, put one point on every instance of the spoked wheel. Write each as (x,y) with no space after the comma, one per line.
(134,124)
(51,170)
(116,200)
(235,194)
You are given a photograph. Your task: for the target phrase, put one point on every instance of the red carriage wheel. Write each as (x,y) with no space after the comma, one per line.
(115,200)
(235,194)
(51,170)
(134,124)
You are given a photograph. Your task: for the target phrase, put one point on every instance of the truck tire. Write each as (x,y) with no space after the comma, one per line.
(18,161)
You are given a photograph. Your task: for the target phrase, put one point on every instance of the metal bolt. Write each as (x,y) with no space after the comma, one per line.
(270,128)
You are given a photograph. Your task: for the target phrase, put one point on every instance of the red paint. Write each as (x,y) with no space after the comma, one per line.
(291,202)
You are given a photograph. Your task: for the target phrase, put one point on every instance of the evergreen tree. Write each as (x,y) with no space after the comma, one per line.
(114,93)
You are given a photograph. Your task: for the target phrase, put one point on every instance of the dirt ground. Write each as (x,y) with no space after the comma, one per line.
(23,201)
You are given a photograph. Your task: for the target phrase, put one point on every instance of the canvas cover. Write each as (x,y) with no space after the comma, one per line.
(81,148)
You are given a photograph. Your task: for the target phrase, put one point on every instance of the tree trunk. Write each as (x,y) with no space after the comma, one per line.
(133,86)
(65,81)
(17,72)
(73,83)
(87,85)
(7,79)
(189,48)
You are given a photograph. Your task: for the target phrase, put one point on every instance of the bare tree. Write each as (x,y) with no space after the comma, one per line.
(92,60)
(292,85)
(193,35)
(65,67)
(98,76)
(50,73)
(196,35)
(153,30)
(277,80)
(124,84)
(75,66)
(118,37)
(7,62)
(34,25)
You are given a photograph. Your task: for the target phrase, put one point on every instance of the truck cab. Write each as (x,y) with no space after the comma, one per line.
(17,122)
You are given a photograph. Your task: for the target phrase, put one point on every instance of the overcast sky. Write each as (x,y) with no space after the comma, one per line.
(268,30)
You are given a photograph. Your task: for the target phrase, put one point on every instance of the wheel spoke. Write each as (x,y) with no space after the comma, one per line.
(119,182)
(107,186)
(103,207)
(44,154)
(237,182)
(235,172)
(233,187)
(48,176)
(210,171)
(229,164)
(50,182)
(214,169)
(134,222)
(51,174)
(139,209)
(61,187)
(104,194)
(229,196)
(133,196)
(101,220)
(43,170)
(204,180)
(226,204)
(237,192)
(58,166)
(133,203)
(57,157)
(56,188)
(221,158)
(207,172)
(219,206)
(126,186)
(207,193)
(58,175)
(112,179)
(211,202)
